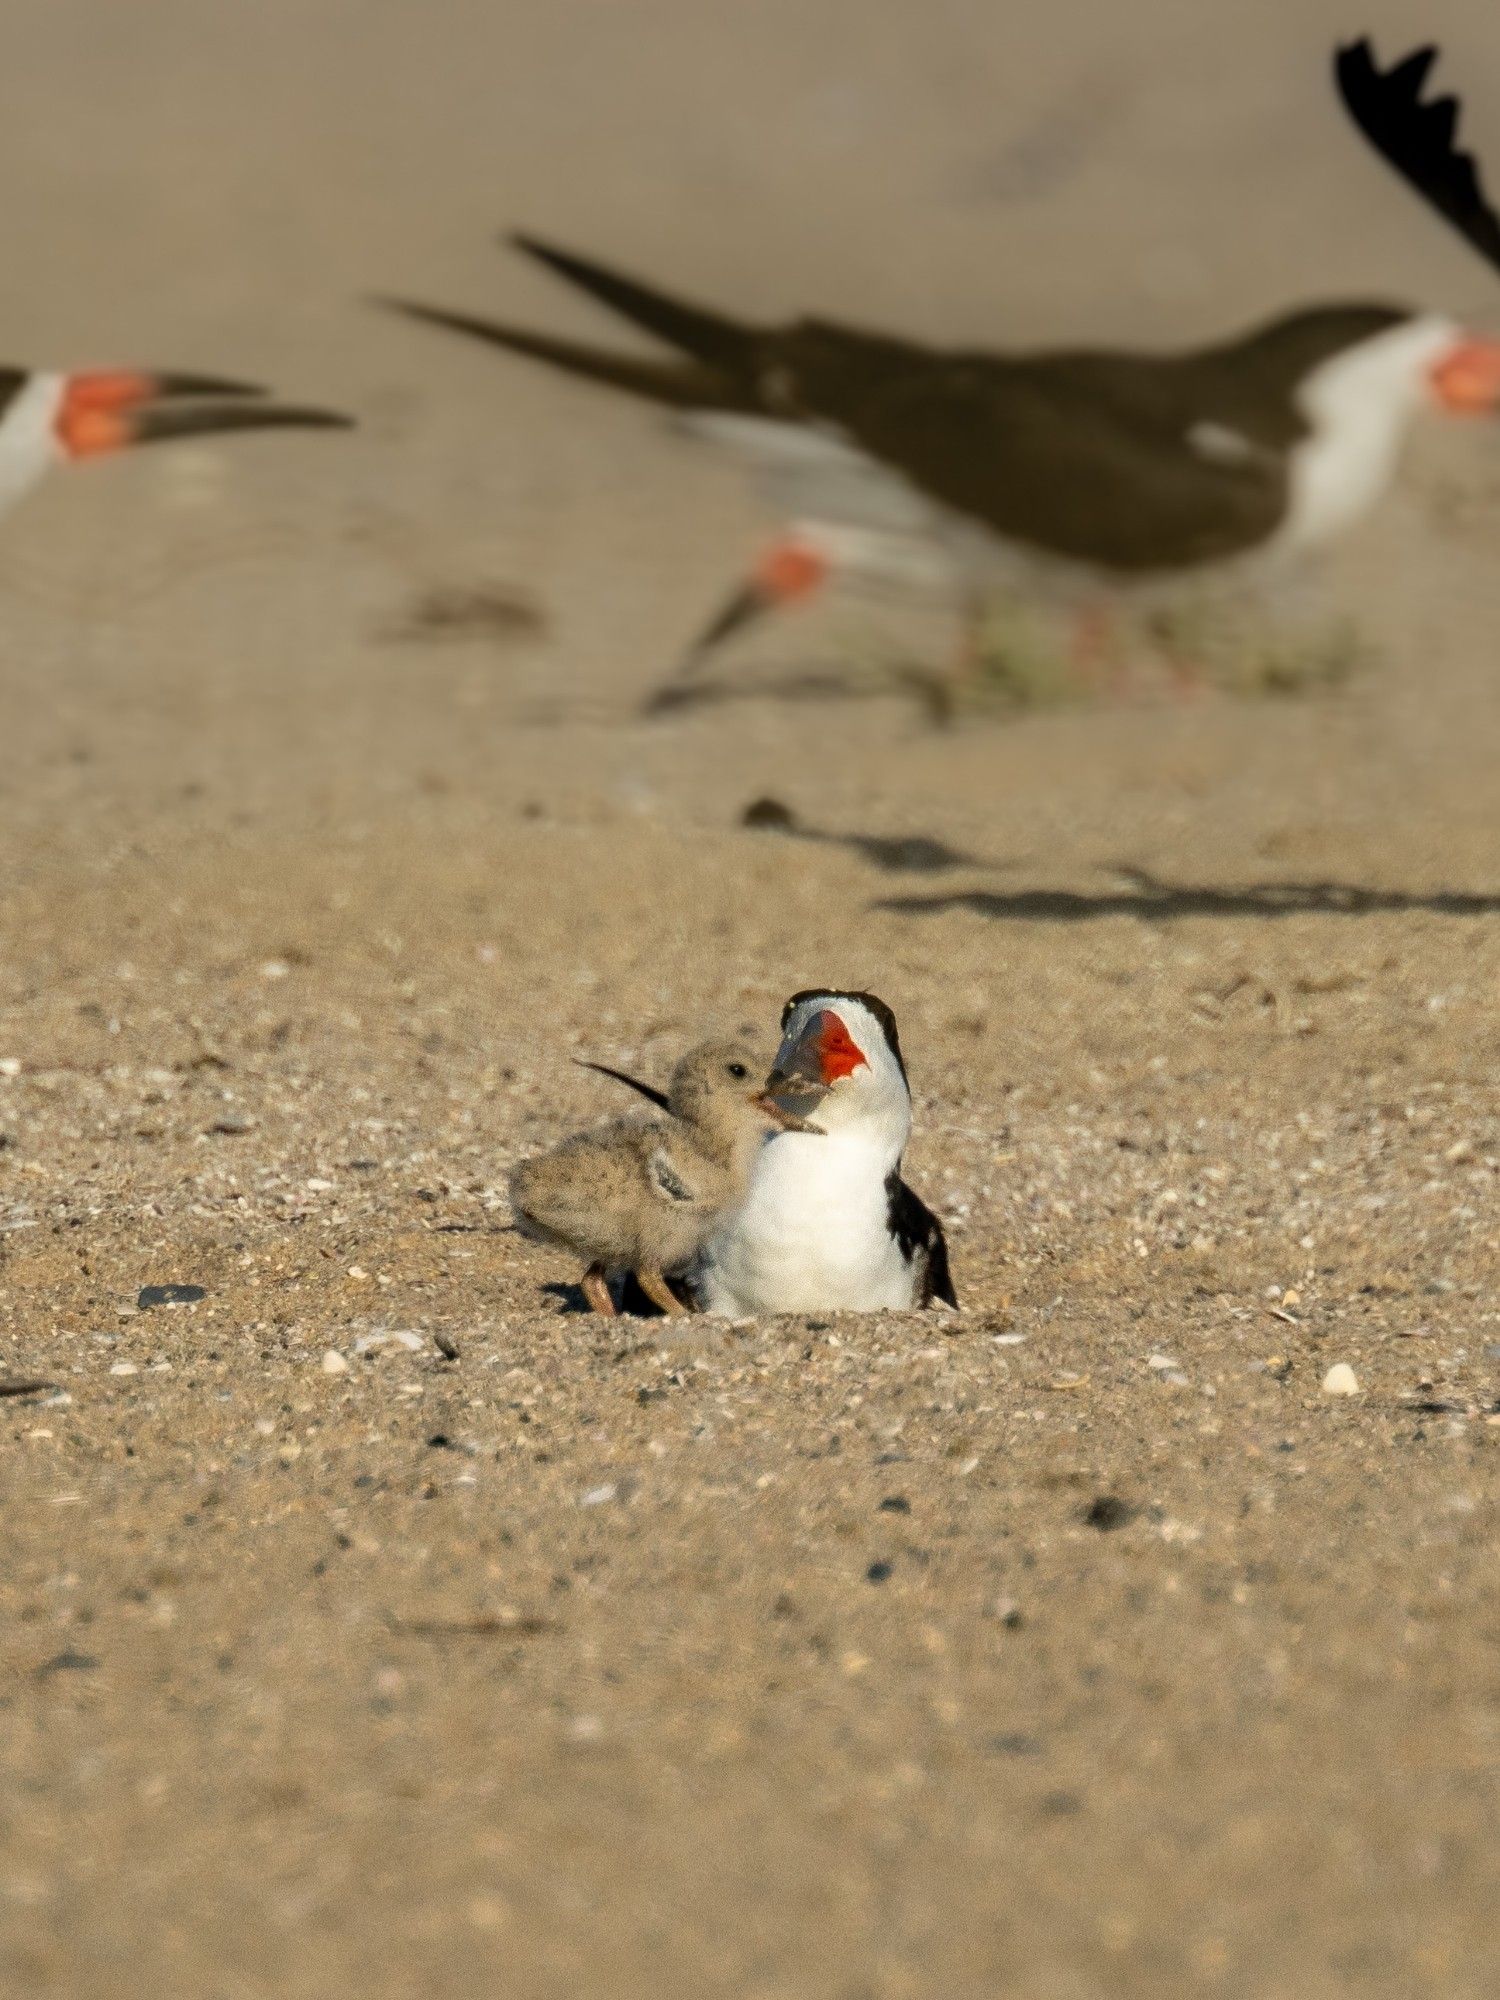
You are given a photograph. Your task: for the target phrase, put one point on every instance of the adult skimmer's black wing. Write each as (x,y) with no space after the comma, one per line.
(920,1236)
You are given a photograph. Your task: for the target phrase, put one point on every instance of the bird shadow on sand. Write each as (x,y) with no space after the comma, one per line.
(485,611)
(807,683)
(811,684)
(569,1297)
(1153,900)
(894,853)
(631,1302)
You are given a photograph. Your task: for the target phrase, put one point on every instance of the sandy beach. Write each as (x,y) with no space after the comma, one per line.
(1077,1646)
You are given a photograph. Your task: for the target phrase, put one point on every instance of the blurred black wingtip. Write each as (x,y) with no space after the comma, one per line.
(1418,137)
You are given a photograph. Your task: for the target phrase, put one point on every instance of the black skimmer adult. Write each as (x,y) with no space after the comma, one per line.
(827,1223)
(894,462)
(49,419)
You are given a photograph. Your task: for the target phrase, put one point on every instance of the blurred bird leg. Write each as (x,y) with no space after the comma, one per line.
(1186,673)
(1099,664)
(791,570)
(967,663)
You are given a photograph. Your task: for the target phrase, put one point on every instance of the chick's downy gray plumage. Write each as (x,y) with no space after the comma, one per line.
(642,1194)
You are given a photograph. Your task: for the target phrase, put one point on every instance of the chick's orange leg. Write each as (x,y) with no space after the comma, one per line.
(596,1291)
(660,1293)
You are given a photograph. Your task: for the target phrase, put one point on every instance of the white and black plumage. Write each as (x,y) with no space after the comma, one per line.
(895,462)
(49,419)
(827,1223)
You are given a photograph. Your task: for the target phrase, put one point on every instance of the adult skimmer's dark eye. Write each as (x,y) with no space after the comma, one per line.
(738,1069)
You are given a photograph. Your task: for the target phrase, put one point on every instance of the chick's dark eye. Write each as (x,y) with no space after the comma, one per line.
(738,1069)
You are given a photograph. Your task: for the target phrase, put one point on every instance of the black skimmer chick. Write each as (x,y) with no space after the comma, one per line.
(640,1195)
(892,462)
(54,419)
(827,1223)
